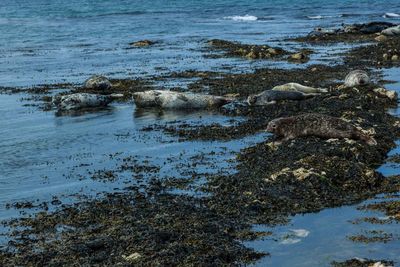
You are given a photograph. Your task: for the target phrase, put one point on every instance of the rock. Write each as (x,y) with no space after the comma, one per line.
(388,93)
(142,43)
(251,55)
(302,173)
(385,56)
(299,57)
(395,58)
(234,107)
(272,51)
(134,257)
(98,82)
(381,38)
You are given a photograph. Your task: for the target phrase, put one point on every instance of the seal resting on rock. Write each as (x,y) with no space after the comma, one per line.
(313,124)
(356,77)
(98,82)
(367,28)
(83,100)
(392,31)
(270,97)
(299,88)
(178,100)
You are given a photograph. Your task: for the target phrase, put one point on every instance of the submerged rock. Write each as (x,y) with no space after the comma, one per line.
(97,82)
(299,57)
(142,43)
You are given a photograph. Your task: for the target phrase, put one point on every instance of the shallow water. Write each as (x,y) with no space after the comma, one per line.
(43,155)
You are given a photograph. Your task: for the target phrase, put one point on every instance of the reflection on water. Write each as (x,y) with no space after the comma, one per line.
(45,155)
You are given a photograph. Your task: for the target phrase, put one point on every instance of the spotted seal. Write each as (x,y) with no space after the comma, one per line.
(313,124)
(177,100)
(299,88)
(356,78)
(270,97)
(83,100)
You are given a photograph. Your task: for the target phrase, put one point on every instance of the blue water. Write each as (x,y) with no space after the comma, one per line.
(45,41)
(53,41)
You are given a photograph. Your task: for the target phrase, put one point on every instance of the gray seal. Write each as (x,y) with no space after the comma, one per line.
(318,125)
(296,87)
(269,97)
(177,100)
(83,100)
(392,31)
(356,78)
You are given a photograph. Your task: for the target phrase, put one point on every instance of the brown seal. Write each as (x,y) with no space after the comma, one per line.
(313,124)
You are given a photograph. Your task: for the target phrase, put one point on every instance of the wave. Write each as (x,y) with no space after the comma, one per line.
(391,15)
(323,17)
(242,18)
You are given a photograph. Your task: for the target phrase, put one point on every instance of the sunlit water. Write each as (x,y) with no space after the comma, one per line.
(43,155)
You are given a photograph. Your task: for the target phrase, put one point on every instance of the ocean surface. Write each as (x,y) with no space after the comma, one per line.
(54,41)
(45,41)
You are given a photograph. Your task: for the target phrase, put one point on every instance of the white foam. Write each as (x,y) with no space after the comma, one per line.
(391,15)
(290,241)
(300,232)
(324,17)
(315,17)
(242,18)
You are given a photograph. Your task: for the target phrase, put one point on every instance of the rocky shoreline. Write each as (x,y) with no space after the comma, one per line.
(149,225)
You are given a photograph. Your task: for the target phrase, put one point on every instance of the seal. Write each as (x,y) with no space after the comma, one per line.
(392,31)
(97,82)
(177,100)
(313,124)
(83,100)
(356,78)
(367,28)
(270,97)
(323,31)
(299,88)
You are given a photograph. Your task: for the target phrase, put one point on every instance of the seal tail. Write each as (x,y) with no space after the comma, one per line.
(367,139)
